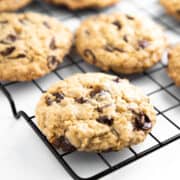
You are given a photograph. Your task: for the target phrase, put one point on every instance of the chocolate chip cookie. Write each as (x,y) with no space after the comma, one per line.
(12,5)
(31,45)
(174,64)
(82,4)
(120,42)
(172,7)
(94,112)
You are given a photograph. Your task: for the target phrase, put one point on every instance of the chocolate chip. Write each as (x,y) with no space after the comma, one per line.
(19,56)
(89,54)
(52,44)
(100,109)
(125,38)
(11,37)
(81,100)
(105,120)
(58,97)
(63,142)
(52,62)
(95,91)
(4,22)
(117,24)
(46,24)
(142,122)
(48,101)
(117,79)
(23,20)
(7,51)
(111,48)
(129,17)
(143,44)
(178,11)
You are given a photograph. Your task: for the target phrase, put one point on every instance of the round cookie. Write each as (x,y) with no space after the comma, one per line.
(31,45)
(81,4)
(174,64)
(119,42)
(172,7)
(12,5)
(94,112)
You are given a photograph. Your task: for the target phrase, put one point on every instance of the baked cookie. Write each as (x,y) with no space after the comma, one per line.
(81,4)
(31,45)
(12,5)
(172,7)
(94,112)
(174,64)
(119,42)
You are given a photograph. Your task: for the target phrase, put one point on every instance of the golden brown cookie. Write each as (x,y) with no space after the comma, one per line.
(82,4)
(172,7)
(174,64)
(12,5)
(31,45)
(119,42)
(94,112)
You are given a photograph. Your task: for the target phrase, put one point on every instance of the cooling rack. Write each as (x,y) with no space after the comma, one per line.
(163,93)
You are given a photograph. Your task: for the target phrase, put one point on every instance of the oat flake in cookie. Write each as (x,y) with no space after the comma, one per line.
(119,42)
(172,7)
(31,45)
(12,5)
(82,4)
(94,112)
(174,64)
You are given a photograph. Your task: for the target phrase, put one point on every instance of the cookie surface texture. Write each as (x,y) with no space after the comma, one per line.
(172,7)
(82,4)
(12,5)
(94,112)
(121,43)
(174,64)
(31,45)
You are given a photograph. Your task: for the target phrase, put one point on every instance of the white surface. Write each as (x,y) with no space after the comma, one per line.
(24,156)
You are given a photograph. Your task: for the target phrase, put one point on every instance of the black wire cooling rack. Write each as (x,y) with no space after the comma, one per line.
(155,82)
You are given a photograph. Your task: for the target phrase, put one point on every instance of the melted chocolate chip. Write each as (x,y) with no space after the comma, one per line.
(117,79)
(142,122)
(11,37)
(46,24)
(52,44)
(48,101)
(143,44)
(96,91)
(58,97)
(52,62)
(63,142)
(129,17)
(81,100)
(19,56)
(105,120)
(125,38)
(111,48)
(7,51)
(117,24)
(89,54)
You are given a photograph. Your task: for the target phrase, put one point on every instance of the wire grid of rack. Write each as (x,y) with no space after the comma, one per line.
(155,82)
